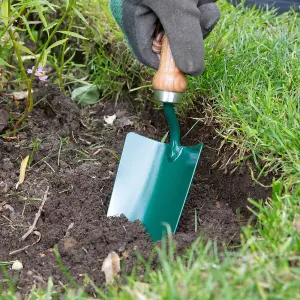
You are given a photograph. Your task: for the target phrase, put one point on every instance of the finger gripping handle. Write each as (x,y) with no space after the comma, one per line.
(168,77)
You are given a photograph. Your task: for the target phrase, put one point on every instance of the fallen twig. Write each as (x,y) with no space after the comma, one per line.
(37,215)
(24,248)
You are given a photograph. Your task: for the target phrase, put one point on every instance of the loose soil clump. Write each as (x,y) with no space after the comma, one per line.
(75,154)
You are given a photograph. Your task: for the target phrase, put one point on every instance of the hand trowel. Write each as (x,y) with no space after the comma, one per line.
(154,178)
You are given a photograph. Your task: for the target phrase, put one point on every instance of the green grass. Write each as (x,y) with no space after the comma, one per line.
(252,88)
(105,58)
(252,73)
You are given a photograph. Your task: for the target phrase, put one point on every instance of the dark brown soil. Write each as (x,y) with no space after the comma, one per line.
(76,159)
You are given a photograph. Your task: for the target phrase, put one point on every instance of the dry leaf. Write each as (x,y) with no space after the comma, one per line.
(17,266)
(111,267)
(110,119)
(19,95)
(22,171)
(4,117)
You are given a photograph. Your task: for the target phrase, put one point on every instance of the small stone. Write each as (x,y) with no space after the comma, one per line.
(17,266)
(122,247)
(110,119)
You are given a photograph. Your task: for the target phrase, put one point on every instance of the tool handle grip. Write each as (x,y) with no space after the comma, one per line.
(168,77)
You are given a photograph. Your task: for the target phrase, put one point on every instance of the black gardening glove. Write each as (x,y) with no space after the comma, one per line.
(185,22)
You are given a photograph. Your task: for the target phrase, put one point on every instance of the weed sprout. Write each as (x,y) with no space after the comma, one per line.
(19,14)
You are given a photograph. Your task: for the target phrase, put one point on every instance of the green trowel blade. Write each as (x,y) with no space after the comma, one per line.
(150,186)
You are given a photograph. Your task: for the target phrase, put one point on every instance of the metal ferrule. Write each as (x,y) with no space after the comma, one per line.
(167,97)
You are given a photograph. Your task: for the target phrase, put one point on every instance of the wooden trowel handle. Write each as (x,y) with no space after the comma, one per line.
(168,77)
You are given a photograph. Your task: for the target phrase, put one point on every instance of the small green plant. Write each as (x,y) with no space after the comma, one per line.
(6,263)
(34,147)
(62,142)
(28,20)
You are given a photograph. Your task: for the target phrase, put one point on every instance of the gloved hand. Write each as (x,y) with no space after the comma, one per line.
(185,22)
